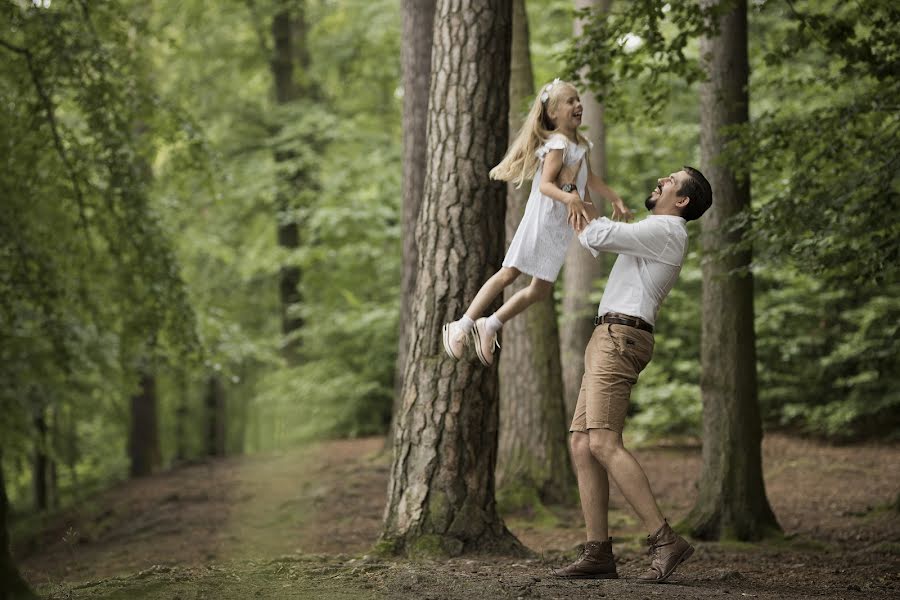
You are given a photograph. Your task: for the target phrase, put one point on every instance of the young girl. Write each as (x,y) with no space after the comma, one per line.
(548,142)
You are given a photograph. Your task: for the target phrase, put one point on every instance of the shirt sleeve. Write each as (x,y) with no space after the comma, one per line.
(648,239)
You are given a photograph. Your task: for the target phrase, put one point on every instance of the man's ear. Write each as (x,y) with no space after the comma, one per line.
(682,201)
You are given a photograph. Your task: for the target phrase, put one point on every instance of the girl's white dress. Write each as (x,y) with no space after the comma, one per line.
(539,246)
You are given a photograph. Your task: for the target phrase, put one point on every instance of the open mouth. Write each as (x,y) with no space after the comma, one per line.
(577,114)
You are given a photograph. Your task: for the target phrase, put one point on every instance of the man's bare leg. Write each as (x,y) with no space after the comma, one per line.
(597,560)
(593,488)
(606,446)
(667,548)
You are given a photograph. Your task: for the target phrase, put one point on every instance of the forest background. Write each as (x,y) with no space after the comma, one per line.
(199,260)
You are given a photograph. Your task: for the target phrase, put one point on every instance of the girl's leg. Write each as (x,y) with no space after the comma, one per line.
(492,288)
(484,333)
(456,333)
(537,291)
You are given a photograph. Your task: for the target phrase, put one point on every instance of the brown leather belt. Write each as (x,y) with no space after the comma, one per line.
(623,320)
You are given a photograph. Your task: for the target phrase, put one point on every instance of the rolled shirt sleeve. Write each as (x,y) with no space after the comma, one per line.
(647,239)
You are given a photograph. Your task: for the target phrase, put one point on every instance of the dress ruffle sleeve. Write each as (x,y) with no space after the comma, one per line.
(554,142)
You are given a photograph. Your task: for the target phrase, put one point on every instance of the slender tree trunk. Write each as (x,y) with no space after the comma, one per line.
(290,41)
(143,442)
(418,25)
(732,501)
(12,586)
(69,451)
(532,459)
(181,417)
(40,462)
(582,270)
(215,417)
(441,489)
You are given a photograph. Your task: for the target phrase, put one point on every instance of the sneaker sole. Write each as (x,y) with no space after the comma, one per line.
(447,349)
(476,338)
(684,556)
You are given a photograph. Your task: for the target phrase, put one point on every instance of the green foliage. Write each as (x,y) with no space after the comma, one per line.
(822,148)
(144,196)
(93,288)
(836,374)
(650,41)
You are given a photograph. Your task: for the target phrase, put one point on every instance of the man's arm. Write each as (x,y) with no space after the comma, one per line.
(647,239)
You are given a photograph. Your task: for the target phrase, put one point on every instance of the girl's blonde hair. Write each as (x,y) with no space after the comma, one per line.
(521,161)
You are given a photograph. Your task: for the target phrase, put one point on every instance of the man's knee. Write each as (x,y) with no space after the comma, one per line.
(603,444)
(581,449)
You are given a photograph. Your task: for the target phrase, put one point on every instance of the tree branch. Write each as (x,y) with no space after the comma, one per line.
(13,48)
(50,114)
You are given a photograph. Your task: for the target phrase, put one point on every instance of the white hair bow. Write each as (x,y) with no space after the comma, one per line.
(545,95)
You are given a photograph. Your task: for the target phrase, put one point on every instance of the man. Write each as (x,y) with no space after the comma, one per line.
(650,257)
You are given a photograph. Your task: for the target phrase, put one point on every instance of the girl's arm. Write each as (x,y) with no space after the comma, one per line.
(549,173)
(596,184)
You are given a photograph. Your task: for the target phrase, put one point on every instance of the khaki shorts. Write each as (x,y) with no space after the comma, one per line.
(613,359)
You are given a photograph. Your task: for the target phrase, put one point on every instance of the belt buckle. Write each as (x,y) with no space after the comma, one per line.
(597,320)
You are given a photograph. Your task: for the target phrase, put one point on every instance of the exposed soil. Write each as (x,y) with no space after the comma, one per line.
(301,524)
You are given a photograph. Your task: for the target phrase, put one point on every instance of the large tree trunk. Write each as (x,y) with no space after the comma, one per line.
(215,417)
(732,501)
(12,586)
(143,441)
(441,490)
(582,270)
(418,25)
(289,34)
(532,460)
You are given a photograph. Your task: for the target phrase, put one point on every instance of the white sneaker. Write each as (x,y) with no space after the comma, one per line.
(484,345)
(454,340)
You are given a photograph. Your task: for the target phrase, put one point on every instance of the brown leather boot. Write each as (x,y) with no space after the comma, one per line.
(668,550)
(596,562)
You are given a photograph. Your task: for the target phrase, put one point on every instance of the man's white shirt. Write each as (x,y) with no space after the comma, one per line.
(650,257)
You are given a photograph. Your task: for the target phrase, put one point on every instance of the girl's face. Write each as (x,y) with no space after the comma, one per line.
(566,111)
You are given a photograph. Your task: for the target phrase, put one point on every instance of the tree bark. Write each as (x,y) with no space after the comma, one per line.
(418,25)
(441,489)
(732,500)
(581,270)
(12,586)
(143,442)
(215,417)
(289,34)
(532,459)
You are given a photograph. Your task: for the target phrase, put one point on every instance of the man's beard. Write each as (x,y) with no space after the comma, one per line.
(650,202)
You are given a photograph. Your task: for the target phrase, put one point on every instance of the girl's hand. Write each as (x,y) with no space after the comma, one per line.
(593,213)
(621,212)
(577,211)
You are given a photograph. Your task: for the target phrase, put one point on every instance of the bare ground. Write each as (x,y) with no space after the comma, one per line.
(301,524)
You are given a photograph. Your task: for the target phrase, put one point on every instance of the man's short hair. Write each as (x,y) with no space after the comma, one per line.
(696,188)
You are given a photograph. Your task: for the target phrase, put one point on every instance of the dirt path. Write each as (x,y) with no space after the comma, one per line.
(298,525)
